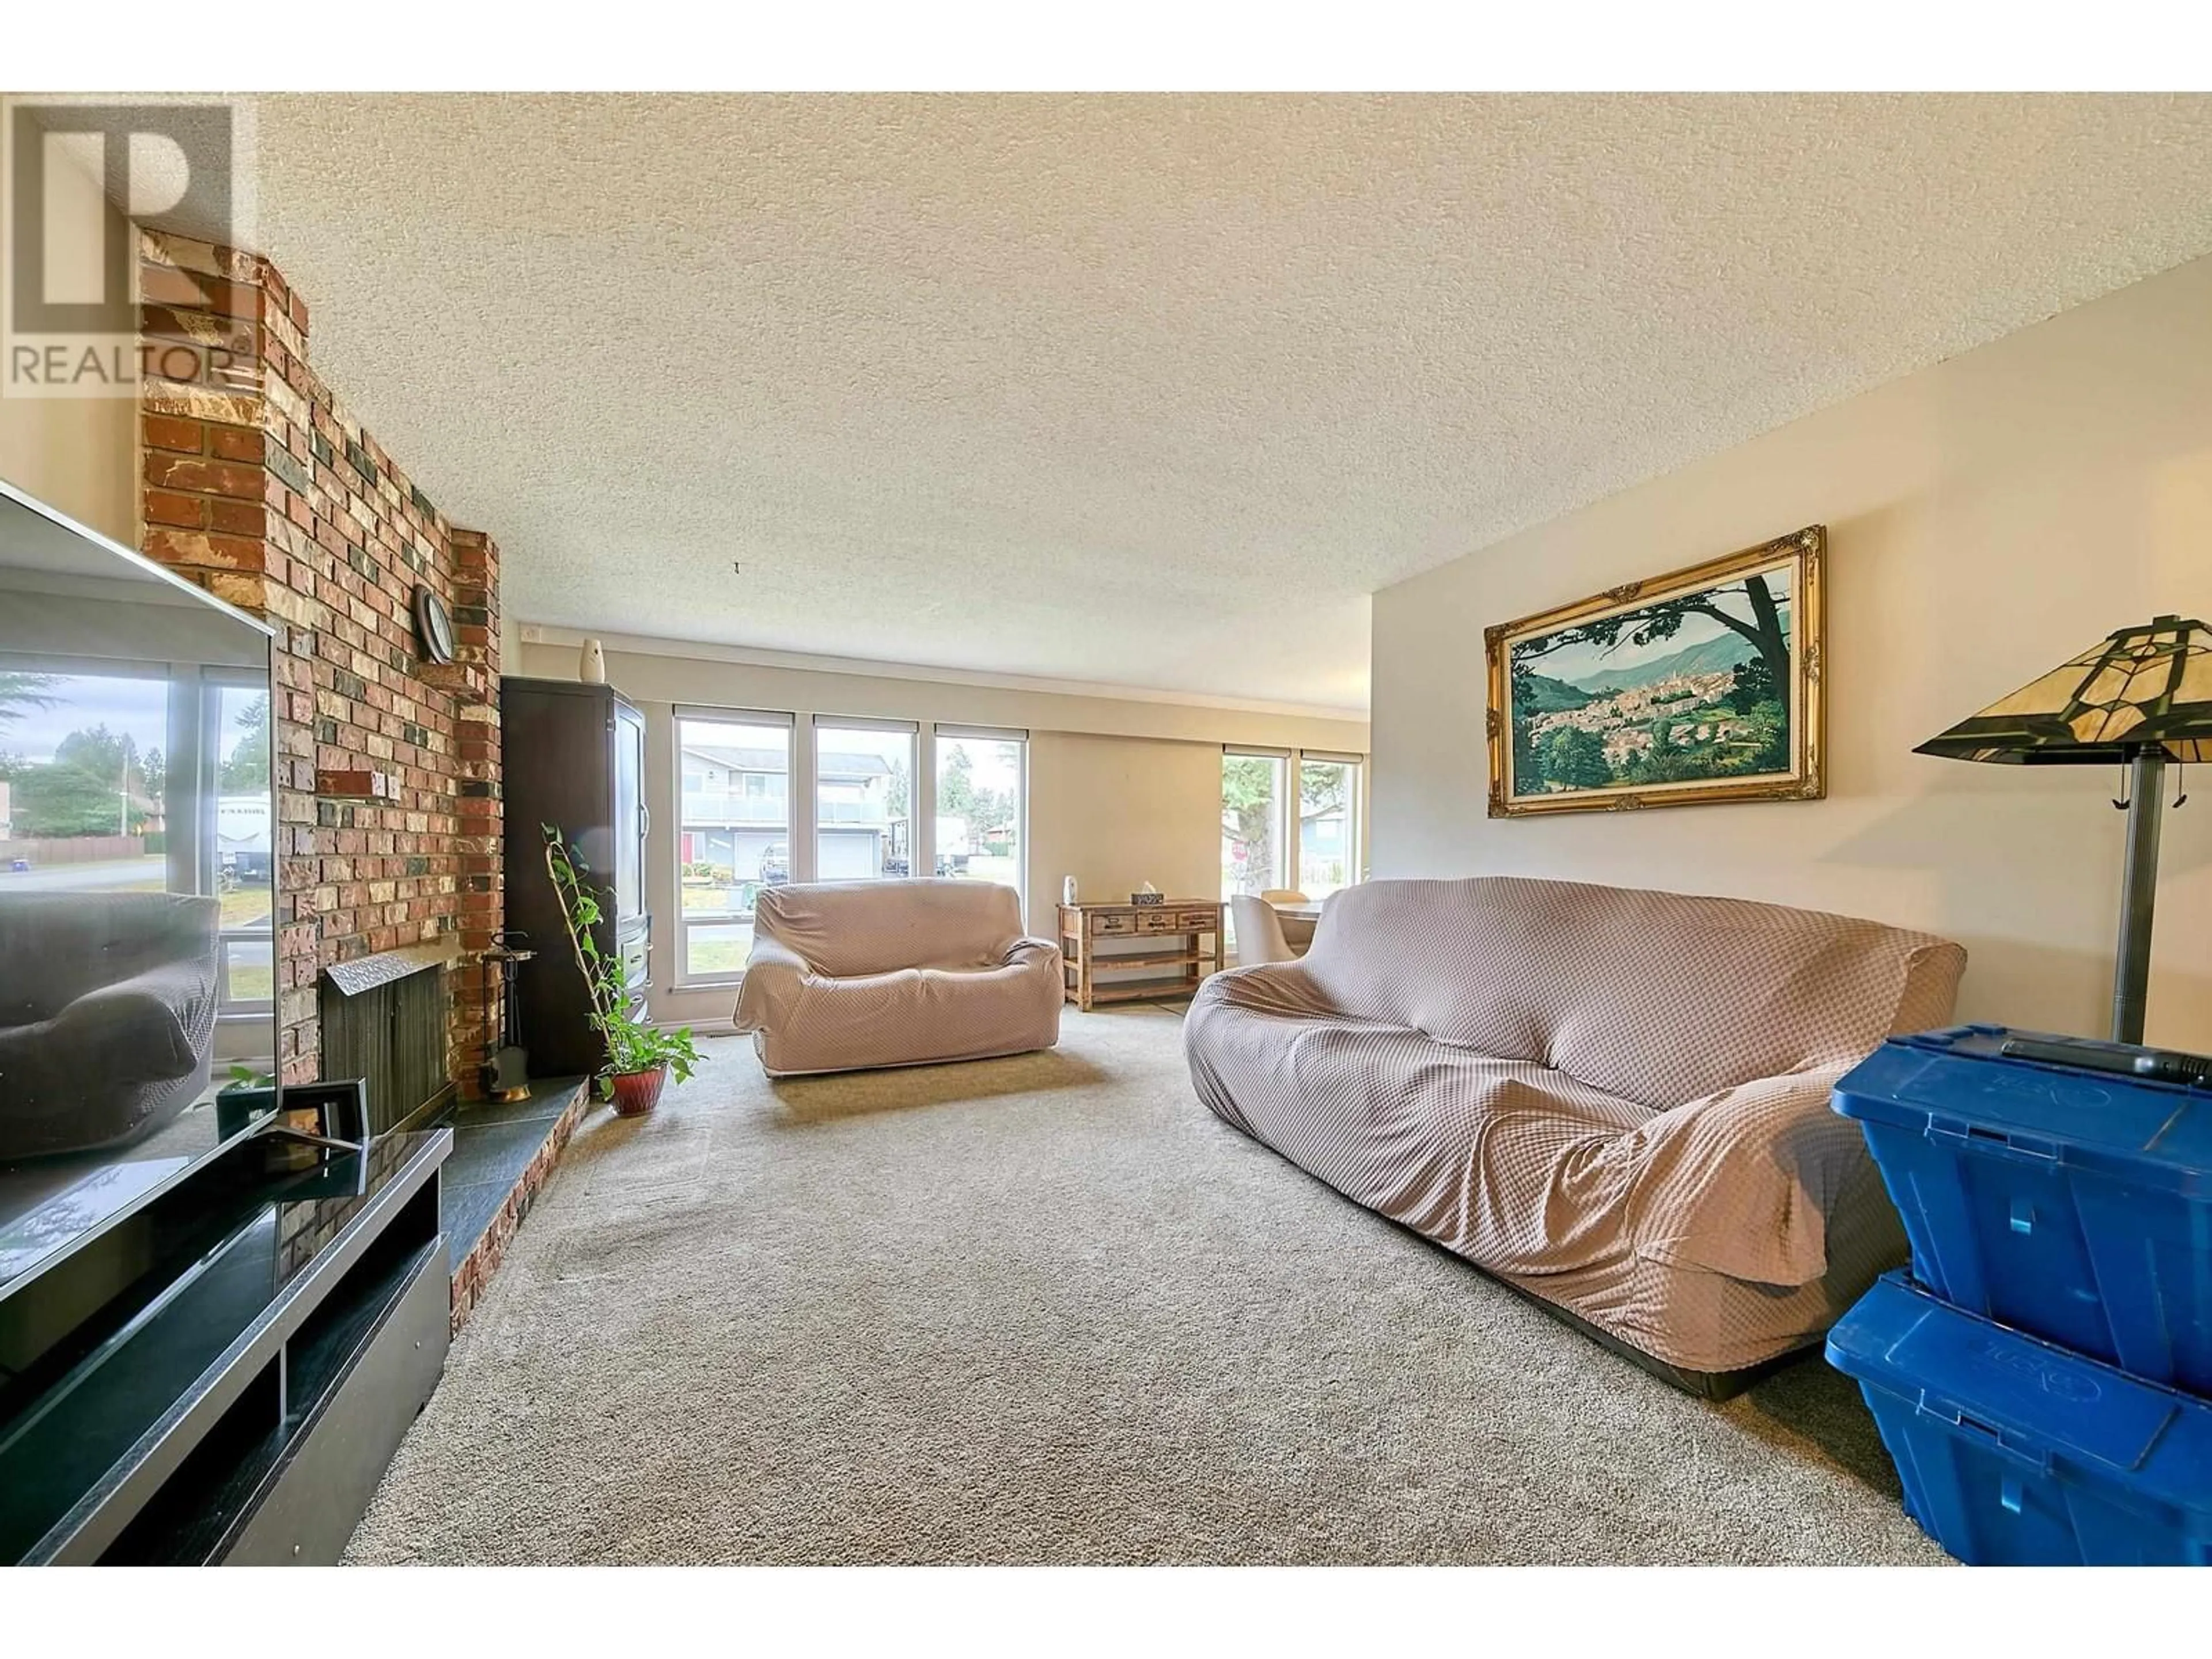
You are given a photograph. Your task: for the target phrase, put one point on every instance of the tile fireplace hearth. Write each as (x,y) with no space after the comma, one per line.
(385,1020)
(503,1154)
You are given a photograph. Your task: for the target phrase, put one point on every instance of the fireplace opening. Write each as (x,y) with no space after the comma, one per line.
(385,1020)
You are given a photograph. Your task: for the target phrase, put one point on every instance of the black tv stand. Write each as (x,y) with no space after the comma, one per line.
(220,1371)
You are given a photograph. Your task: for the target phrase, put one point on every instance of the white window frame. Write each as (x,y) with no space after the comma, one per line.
(686,979)
(1287,819)
(921,838)
(1294,761)
(1017,735)
(1355,813)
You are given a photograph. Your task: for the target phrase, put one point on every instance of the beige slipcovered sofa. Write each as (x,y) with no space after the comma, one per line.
(1615,1100)
(846,976)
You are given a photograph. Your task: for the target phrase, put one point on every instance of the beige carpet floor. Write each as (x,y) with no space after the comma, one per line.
(1050,1309)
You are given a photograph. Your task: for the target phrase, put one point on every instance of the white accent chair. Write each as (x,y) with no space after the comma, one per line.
(1259,931)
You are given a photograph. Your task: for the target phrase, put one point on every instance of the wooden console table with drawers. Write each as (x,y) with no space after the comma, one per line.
(1185,934)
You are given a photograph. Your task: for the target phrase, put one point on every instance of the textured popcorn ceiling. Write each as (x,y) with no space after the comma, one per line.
(1145,390)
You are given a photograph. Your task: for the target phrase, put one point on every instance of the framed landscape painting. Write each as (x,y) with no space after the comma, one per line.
(1700,686)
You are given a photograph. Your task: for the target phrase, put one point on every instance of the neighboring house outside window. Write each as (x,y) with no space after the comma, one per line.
(734,835)
(863,794)
(736,806)
(735,821)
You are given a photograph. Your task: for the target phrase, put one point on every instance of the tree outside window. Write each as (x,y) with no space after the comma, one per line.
(979,808)
(1251,823)
(96,784)
(246,768)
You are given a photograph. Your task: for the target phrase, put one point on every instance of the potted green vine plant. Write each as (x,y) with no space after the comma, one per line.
(639,1057)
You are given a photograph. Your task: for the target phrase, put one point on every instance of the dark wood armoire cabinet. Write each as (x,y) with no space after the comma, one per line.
(574,758)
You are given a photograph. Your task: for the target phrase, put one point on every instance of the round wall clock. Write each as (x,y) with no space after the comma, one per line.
(434,625)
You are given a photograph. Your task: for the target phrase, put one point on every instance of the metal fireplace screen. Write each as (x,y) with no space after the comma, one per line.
(385,1020)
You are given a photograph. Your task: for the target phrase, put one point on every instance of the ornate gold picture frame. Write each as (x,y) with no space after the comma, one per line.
(1699,686)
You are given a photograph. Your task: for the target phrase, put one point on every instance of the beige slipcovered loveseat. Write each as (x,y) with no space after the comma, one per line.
(1616,1101)
(846,976)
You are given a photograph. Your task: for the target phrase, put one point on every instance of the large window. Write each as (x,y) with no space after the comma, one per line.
(981,804)
(1328,825)
(1274,839)
(734,835)
(863,800)
(1255,834)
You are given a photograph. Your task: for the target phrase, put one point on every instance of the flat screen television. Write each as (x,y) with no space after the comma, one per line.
(138,843)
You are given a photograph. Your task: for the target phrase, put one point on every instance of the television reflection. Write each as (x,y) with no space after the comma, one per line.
(137,899)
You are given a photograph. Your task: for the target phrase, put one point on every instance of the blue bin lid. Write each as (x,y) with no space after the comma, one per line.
(1958,1085)
(2030,1397)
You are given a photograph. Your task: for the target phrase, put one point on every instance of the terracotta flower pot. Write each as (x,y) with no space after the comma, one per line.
(636,1093)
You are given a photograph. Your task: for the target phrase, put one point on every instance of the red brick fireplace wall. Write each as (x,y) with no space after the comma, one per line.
(259,486)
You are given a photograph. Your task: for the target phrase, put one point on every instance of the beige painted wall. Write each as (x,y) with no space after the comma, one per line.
(1121,790)
(79,454)
(1987,518)
(1115,812)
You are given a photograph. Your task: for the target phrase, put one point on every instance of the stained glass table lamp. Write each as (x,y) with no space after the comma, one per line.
(2141,698)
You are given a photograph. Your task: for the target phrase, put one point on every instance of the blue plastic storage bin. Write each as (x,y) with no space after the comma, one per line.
(2073,1204)
(2014,1452)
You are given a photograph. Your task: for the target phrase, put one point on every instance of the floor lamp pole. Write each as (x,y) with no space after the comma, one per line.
(2139,893)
